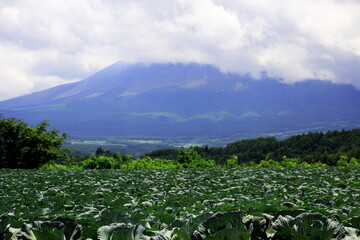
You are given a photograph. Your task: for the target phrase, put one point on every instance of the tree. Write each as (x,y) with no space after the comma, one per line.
(232,162)
(24,146)
(192,159)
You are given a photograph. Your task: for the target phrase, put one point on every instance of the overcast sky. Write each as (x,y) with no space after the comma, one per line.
(45,43)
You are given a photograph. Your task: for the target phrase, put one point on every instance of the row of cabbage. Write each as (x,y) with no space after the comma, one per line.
(176,203)
(231,225)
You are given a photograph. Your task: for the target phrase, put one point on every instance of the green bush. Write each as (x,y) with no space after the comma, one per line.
(296,162)
(269,164)
(292,162)
(318,164)
(101,162)
(250,164)
(202,163)
(149,163)
(232,162)
(192,159)
(289,163)
(57,166)
(345,161)
(354,162)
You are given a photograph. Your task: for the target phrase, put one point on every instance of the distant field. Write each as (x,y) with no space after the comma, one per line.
(137,145)
(140,145)
(182,201)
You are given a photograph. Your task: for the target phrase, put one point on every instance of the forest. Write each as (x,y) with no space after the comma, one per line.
(311,147)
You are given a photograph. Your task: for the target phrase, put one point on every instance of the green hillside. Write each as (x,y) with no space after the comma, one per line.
(311,147)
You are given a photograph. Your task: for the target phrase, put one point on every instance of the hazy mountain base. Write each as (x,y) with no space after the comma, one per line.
(137,145)
(167,100)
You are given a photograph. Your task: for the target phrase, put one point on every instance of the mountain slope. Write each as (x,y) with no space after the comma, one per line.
(186,100)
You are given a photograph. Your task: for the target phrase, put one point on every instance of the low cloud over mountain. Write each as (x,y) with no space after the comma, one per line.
(47,43)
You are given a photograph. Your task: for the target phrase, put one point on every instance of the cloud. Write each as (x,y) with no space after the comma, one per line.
(45,43)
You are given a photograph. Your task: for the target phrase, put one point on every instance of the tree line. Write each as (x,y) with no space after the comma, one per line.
(328,148)
(25,146)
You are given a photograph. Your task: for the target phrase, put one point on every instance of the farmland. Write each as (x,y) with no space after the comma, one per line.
(179,202)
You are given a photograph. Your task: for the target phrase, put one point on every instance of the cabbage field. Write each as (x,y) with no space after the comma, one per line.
(242,203)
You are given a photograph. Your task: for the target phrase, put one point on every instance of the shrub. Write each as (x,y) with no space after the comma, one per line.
(192,159)
(318,164)
(269,164)
(292,162)
(345,161)
(202,163)
(101,162)
(56,166)
(250,164)
(149,163)
(232,162)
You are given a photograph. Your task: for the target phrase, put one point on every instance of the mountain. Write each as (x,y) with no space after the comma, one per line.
(186,100)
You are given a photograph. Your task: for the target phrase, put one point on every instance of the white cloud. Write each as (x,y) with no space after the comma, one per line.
(44,43)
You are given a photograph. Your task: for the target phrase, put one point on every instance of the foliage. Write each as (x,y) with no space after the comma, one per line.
(185,159)
(23,146)
(293,162)
(120,231)
(296,162)
(168,153)
(101,162)
(149,163)
(308,226)
(60,229)
(288,163)
(101,152)
(110,160)
(318,164)
(269,163)
(181,204)
(311,147)
(248,164)
(192,159)
(348,162)
(57,166)
(232,162)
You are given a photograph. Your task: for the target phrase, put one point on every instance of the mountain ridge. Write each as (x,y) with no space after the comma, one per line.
(186,100)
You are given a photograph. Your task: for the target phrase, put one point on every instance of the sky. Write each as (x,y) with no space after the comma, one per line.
(46,43)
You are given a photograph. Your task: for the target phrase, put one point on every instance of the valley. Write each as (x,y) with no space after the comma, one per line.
(137,146)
